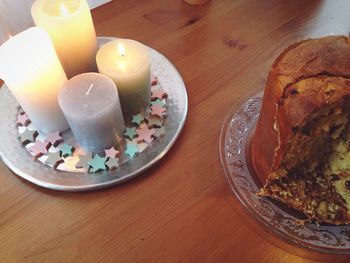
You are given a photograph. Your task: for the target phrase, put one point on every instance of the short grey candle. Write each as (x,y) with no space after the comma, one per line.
(90,103)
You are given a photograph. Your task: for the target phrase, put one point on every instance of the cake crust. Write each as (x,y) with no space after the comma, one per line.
(329,56)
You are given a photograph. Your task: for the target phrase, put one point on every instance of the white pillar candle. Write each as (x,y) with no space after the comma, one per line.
(71,29)
(127,62)
(32,71)
(91,105)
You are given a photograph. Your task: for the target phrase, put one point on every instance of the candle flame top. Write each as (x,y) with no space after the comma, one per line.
(121,49)
(63,10)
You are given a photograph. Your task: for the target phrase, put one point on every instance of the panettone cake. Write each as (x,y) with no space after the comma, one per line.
(301,146)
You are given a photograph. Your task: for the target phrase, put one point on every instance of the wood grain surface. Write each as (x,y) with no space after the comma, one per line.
(181,210)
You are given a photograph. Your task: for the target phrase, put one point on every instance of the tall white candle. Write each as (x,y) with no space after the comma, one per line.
(71,28)
(32,71)
(91,105)
(127,62)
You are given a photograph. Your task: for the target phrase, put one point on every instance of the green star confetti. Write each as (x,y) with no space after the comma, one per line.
(112,163)
(54,159)
(158,102)
(159,132)
(130,133)
(147,126)
(131,149)
(97,163)
(67,150)
(137,119)
(28,136)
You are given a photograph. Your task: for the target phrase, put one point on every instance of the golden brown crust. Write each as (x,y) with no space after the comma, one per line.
(329,56)
(308,95)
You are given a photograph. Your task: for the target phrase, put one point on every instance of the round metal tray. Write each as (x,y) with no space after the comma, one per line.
(278,218)
(19,160)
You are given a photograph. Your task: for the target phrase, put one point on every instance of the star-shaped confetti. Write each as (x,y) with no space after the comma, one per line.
(159,132)
(97,163)
(112,163)
(111,152)
(54,138)
(158,102)
(28,136)
(20,110)
(54,159)
(67,150)
(145,134)
(130,133)
(131,149)
(158,94)
(137,119)
(154,122)
(84,161)
(157,111)
(23,120)
(148,110)
(154,81)
(39,148)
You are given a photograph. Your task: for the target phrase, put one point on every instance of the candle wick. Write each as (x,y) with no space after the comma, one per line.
(88,92)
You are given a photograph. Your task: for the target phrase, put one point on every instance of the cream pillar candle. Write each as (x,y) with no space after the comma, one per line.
(32,71)
(71,29)
(127,62)
(91,105)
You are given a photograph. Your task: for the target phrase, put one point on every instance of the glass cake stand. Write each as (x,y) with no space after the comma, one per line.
(278,218)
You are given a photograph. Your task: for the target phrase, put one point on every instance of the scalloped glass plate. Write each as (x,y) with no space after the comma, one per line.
(282,221)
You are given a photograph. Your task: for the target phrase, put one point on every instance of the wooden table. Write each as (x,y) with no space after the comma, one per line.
(181,209)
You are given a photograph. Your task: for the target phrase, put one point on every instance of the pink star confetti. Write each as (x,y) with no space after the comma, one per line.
(157,110)
(23,120)
(154,81)
(54,138)
(112,152)
(158,94)
(39,148)
(145,134)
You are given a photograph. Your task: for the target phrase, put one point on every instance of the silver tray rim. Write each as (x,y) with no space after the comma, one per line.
(114,180)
